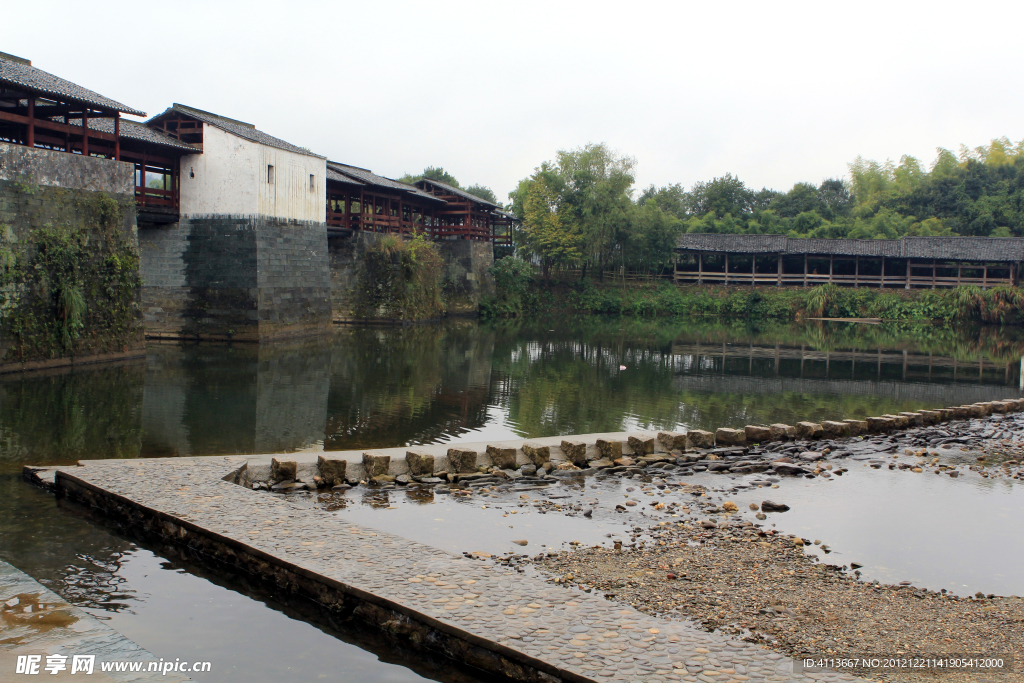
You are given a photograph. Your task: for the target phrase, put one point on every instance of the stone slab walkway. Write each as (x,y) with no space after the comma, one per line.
(567,635)
(35,621)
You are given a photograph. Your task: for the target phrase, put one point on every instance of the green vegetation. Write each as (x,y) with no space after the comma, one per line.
(961,305)
(579,210)
(72,288)
(442,176)
(400,279)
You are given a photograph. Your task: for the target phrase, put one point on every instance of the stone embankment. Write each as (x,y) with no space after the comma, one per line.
(789,450)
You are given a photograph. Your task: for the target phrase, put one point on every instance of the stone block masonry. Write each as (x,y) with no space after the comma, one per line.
(235,278)
(67,232)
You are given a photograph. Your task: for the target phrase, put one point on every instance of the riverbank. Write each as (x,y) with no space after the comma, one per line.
(658,299)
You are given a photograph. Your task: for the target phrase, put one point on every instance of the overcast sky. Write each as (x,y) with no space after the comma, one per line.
(773,92)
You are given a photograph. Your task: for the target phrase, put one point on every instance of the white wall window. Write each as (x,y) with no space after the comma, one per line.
(312,183)
(270,174)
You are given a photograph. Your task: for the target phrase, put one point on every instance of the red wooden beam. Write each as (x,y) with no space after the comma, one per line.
(31,122)
(117,136)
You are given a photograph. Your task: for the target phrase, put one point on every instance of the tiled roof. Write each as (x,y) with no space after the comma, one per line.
(137,131)
(22,75)
(1000,249)
(370,178)
(246,131)
(339,178)
(455,191)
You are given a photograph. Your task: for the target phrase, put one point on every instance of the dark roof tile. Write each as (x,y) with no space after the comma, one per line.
(456,191)
(23,75)
(246,131)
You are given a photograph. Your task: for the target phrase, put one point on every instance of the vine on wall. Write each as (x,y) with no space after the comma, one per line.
(400,279)
(70,287)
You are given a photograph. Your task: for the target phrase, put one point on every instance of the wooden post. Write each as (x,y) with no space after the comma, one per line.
(831,257)
(117,136)
(907,286)
(934,272)
(881,284)
(727,268)
(780,281)
(85,132)
(142,179)
(959,271)
(856,271)
(805,284)
(700,268)
(984,276)
(753,270)
(31,136)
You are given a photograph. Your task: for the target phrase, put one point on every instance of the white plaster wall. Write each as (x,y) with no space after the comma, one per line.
(230,177)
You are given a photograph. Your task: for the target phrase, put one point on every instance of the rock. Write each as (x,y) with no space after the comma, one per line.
(730,437)
(588,513)
(698,438)
(730,506)
(782,432)
(625,461)
(809,430)
(880,424)
(789,470)
(835,429)
(420,463)
(811,456)
(900,421)
(756,434)
(986,409)
(769,506)
(931,417)
(522,542)
(462,460)
(528,470)
(281,470)
(754,506)
(575,452)
(609,449)
(376,464)
(761,516)
(1000,407)
(332,470)
(672,441)
(641,445)
(855,565)
(959,412)
(383,479)
(914,419)
(537,454)
(708,524)
(403,479)
(857,426)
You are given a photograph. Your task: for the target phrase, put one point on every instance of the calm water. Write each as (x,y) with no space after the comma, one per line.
(460,381)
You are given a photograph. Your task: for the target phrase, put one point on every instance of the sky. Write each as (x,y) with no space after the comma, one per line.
(772,92)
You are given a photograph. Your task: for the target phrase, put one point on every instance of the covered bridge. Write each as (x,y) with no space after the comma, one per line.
(909,262)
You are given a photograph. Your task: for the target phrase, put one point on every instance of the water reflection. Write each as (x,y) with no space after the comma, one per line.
(366,388)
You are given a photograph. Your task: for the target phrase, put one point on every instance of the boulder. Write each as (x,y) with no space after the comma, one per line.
(698,438)
(959,412)
(880,424)
(503,457)
(575,452)
(283,470)
(421,463)
(672,441)
(945,414)
(1000,407)
(782,432)
(975,410)
(986,408)
(730,437)
(930,417)
(757,434)
(809,430)
(609,449)
(835,429)
(537,454)
(332,470)
(769,506)
(857,426)
(899,421)
(641,445)
(376,464)
(462,460)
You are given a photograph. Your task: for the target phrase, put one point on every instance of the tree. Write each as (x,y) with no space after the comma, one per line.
(545,231)
(431,173)
(483,193)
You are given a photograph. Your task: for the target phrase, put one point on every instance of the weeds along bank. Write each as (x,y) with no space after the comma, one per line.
(69,262)
(519,294)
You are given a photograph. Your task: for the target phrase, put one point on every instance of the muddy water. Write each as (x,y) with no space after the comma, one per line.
(374,388)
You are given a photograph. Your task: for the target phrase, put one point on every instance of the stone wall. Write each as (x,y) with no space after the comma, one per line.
(67,223)
(466,279)
(231,277)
